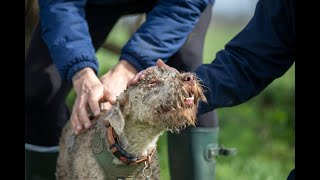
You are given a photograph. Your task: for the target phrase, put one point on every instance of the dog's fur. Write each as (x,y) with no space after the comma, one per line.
(163,100)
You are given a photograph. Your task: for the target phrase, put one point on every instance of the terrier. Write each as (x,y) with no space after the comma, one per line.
(121,143)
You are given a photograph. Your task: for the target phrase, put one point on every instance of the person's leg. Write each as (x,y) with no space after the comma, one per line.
(291,175)
(187,150)
(45,110)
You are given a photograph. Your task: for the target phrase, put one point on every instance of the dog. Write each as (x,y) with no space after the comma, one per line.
(121,143)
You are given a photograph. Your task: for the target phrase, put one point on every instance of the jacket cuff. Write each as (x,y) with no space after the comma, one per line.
(75,68)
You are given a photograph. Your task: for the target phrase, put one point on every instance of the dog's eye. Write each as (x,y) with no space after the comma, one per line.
(153,82)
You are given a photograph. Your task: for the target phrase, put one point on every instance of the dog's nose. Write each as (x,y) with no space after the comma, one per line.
(189,78)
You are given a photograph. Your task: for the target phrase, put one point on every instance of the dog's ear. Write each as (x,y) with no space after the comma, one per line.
(123,98)
(115,118)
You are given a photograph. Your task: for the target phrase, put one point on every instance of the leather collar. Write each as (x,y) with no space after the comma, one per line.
(121,154)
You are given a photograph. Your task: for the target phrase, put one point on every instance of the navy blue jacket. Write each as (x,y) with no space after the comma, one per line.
(65,32)
(263,51)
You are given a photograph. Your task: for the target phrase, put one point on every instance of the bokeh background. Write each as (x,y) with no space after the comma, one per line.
(262,129)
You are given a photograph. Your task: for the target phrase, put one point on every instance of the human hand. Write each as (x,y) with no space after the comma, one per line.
(90,91)
(141,74)
(116,79)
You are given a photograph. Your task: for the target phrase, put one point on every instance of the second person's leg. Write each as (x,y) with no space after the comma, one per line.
(186,150)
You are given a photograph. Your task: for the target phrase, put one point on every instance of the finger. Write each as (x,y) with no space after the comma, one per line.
(135,79)
(106,106)
(76,126)
(83,118)
(73,126)
(161,64)
(110,98)
(82,112)
(93,101)
(75,123)
(130,83)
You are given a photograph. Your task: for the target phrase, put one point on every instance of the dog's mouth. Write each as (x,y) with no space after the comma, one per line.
(189,100)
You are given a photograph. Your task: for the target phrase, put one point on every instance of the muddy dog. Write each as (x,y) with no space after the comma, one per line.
(121,142)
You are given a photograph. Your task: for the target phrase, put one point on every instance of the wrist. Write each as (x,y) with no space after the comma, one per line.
(83,75)
(123,72)
(126,66)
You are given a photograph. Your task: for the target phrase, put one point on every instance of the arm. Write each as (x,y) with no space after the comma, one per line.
(260,53)
(65,32)
(166,29)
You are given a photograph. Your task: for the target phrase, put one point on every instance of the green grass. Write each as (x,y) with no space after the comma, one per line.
(262,129)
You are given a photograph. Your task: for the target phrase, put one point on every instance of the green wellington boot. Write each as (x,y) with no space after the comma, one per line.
(40,165)
(192,153)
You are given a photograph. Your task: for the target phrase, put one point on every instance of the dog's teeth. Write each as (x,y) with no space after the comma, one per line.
(189,98)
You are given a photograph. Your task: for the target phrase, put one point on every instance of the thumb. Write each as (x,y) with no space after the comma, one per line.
(112,100)
(160,63)
(109,97)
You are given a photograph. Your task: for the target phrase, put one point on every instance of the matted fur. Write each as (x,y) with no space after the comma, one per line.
(157,103)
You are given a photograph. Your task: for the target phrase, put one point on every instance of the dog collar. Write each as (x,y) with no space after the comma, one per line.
(104,158)
(122,154)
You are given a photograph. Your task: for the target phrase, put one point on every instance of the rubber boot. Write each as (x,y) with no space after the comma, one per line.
(40,165)
(192,153)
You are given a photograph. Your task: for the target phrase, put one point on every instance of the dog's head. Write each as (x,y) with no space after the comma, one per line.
(164,98)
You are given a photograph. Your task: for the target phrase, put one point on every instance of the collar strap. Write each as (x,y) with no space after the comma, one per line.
(120,153)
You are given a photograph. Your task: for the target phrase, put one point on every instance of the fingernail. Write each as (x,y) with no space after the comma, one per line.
(79,127)
(87,125)
(96,113)
(76,132)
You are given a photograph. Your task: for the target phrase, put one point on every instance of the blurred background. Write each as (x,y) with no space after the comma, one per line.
(262,130)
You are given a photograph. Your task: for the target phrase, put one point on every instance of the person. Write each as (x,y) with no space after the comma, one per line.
(263,51)
(61,55)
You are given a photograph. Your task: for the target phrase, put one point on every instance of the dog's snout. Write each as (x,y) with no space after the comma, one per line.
(189,78)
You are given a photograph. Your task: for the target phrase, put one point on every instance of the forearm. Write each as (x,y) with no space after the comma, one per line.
(65,32)
(260,53)
(164,32)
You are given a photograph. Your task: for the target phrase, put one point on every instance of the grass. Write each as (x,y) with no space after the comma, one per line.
(262,129)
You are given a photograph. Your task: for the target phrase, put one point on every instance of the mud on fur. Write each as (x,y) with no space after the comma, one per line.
(163,101)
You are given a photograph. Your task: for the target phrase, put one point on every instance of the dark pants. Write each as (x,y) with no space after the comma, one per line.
(292,174)
(46,112)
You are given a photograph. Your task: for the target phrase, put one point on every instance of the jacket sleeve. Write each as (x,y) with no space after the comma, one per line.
(65,32)
(166,28)
(260,53)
